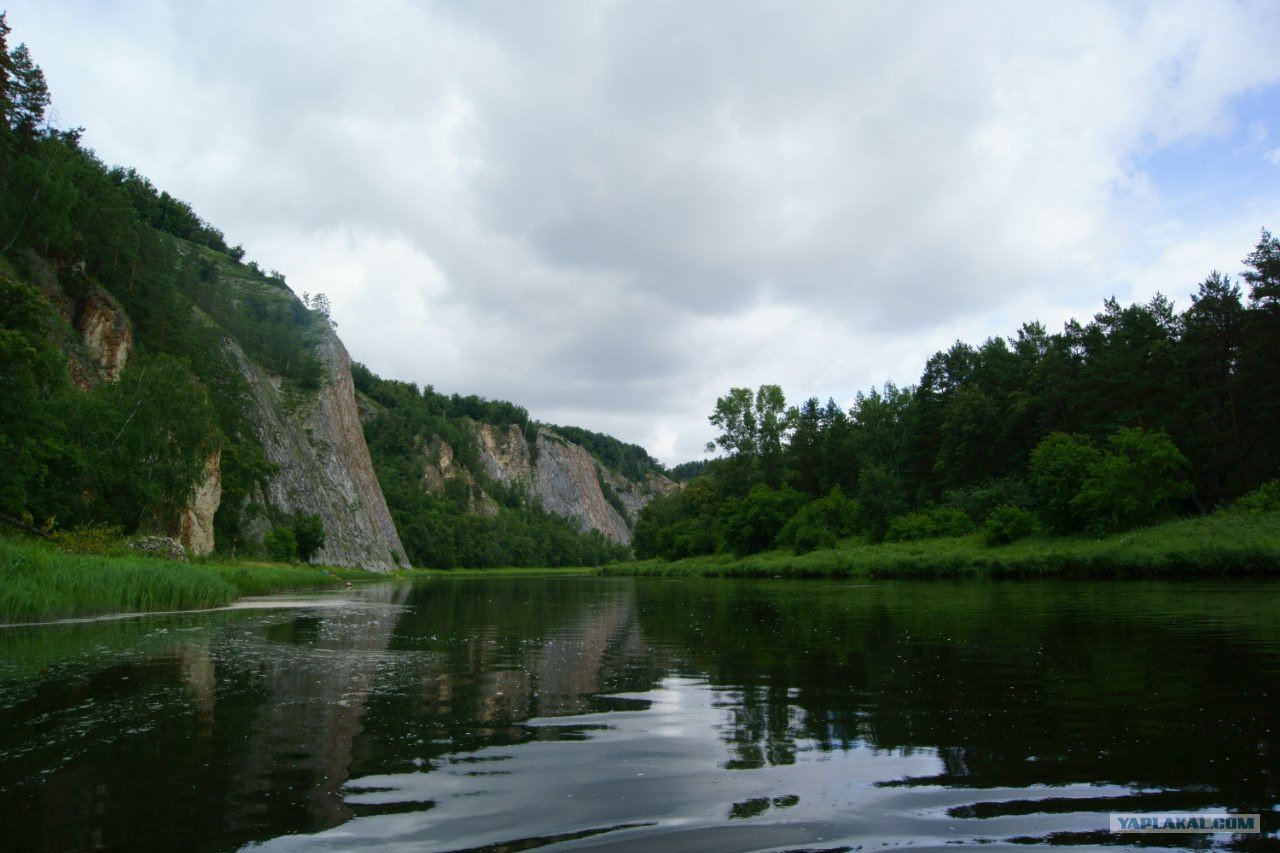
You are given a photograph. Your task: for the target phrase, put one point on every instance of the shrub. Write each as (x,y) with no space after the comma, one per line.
(1265,498)
(1137,481)
(1059,466)
(281,544)
(308,533)
(90,539)
(820,523)
(1008,523)
(753,523)
(928,524)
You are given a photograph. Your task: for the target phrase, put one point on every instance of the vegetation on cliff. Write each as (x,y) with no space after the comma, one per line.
(442,530)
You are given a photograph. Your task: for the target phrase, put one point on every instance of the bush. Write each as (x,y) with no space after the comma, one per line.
(928,524)
(308,533)
(1008,523)
(1059,466)
(281,544)
(820,523)
(1137,481)
(90,539)
(978,502)
(1265,498)
(753,523)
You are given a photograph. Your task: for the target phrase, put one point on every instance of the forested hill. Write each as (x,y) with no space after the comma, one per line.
(1142,413)
(152,381)
(475,482)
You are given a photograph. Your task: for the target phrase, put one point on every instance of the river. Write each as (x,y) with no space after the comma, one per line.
(511,713)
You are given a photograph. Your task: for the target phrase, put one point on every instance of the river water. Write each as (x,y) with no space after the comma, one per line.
(507,714)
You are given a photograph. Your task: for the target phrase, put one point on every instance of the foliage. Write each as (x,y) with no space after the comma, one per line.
(143,442)
(281,544)
(820,523)
(752,429)
(751,523)
(880,498)
(1138,480)
(1060,465)
(1008,523)
(687,471)
(1265,498)
(308,534)
(1224,544)
(928,523)
(91,539)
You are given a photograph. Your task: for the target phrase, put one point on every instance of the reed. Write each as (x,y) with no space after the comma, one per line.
(39,583)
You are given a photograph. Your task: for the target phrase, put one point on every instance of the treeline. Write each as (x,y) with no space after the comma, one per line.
(445,531)
(127,453)
(630,460)
(1139,414)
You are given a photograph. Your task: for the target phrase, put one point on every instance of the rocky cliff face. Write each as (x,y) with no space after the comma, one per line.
(439,476)
(565,481)
(107,337)
(323,463)
(565,478)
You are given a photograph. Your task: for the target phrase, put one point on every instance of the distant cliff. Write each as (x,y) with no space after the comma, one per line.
(562,477)
(472,481)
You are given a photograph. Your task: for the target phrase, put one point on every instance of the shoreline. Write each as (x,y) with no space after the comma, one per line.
(1223,545)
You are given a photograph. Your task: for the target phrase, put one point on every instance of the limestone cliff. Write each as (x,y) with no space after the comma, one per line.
(323,465)
(440,476)
(107,337)
(565,479)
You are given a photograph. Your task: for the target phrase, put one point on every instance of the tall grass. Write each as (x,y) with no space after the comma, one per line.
(38,583)
(1225,544)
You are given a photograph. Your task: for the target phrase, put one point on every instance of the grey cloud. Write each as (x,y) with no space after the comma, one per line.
(620,202)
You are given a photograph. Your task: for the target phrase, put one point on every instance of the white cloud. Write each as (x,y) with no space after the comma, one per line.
(610,213)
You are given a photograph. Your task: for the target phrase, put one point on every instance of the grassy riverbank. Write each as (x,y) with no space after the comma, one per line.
(38,582)
(1221,545)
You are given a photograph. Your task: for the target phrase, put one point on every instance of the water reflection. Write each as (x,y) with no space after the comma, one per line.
(511,713)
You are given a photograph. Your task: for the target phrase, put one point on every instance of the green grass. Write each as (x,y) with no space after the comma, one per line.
(38,582)
(1225,544)
(263,578)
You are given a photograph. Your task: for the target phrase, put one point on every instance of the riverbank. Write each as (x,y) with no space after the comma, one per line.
(38,582)
(1226,544)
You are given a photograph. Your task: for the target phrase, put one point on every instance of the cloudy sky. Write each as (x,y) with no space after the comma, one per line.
(612,212)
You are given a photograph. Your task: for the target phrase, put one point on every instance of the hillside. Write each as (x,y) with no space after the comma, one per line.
(154,382)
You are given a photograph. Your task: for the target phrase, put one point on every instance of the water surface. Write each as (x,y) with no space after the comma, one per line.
(584,713)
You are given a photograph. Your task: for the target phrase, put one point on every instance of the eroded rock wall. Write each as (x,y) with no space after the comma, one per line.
(323,462)
(565,481)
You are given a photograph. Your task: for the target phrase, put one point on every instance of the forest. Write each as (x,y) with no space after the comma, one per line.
(1139,415)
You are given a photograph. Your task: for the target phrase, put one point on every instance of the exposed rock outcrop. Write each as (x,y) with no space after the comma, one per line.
(323,462)
(505,455)
(566,483)
(566,479)
(107,336)
(195,525)
(164,547)
(439,471)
